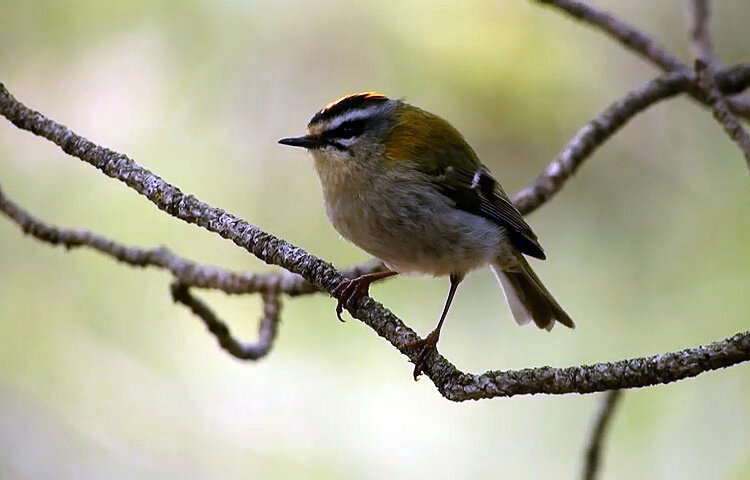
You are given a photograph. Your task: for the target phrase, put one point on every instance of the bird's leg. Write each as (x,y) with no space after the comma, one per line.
(429,343)
(351,290)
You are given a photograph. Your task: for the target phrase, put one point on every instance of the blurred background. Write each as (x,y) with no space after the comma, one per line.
(101,376)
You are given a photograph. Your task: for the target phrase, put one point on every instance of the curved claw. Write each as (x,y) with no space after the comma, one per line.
(349,292)
(427,345)
(339,311)
(336,292)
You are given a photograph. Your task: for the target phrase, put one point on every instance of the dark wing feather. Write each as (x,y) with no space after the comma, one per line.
(439,151)
(476,191)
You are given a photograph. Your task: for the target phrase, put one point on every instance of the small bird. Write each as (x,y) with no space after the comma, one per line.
(405,186)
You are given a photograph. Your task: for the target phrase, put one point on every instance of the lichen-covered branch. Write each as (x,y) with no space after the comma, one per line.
(169,198)
(599,377)
(185,271)
(453,384)
(188,274)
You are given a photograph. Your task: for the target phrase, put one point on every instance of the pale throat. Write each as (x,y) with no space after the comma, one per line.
(338,173)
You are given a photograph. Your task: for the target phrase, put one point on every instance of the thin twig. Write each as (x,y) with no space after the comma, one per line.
(699,15)
(629,36)
(636,41)
(598,435)
(705,64)
(606,124)
(267,328)
(594,134)
(721,111)
(698,18)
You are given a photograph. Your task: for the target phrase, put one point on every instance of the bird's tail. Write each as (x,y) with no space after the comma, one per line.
(528,298)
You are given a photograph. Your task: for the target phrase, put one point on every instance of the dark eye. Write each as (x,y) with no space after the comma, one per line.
(349,129)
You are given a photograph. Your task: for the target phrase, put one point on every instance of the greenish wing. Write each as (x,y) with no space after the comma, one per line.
(474,190)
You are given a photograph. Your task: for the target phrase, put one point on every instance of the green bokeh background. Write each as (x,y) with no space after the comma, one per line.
(101,376)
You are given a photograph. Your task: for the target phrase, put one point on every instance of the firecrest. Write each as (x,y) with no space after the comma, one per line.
(404,185)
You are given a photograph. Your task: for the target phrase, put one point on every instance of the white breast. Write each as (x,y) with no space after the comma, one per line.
(410,226)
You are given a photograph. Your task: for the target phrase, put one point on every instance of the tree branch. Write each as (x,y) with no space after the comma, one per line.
(638,42)
(699,14)
(614,117)
(629,36)
(721,110)
(453,384)
(598,435)
(185,271)
(267,328)
(705,64)
(632,373)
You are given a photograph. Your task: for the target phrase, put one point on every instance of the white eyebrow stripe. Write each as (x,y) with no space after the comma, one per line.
(351,115)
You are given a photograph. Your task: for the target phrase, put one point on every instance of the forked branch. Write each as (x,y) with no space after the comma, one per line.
(645,46)
(303,273)
(453,384)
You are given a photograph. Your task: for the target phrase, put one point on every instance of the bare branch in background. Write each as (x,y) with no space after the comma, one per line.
(188,274)
(304,273)
(267,328)
(698,17)
(595,133)
(614,117)
(598,435)
(705,64)
(629,36)
(699,14)
(310,274)
(185,271)
(721,110)
(639,42)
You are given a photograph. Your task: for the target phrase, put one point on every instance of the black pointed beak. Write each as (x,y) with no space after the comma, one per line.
(307,141)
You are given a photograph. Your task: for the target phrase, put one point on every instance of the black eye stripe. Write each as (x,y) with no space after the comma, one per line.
(348,129)
(335,144)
